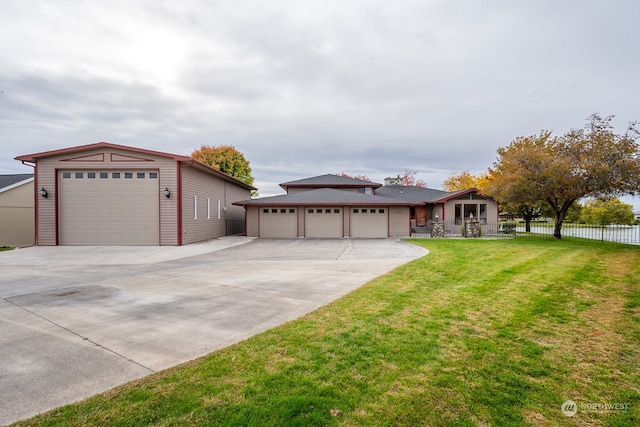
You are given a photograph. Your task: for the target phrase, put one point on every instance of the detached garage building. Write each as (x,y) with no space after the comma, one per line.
(108,194)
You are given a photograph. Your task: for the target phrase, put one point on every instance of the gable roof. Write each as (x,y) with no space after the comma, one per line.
(7,182)
(329,180)
(326,197)
(177,157)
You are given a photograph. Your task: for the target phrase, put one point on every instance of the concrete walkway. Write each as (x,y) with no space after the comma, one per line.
(76,321)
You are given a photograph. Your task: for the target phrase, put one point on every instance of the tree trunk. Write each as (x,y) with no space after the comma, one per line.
(558,226)
(527,224)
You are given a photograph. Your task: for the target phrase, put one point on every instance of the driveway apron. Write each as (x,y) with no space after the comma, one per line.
(77,321)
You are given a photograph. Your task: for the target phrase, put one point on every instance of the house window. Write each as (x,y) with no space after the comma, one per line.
(283,211)
(79,175)
(128,175)
(327,211)
(66,174)
(336,211)
(195,207)
(104,175)
(219,213)
(292,210)
(318,210)
(309,210)
(265,210)
(274,210)
(208,208)
(364,211)
(140,175)
(153,175)
(115,175)
(91,175)
(381,211)
(355,211)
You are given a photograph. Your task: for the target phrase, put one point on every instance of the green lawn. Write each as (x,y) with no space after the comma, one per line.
(475,333)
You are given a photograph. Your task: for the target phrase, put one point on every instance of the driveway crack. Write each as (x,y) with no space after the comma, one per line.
(78,335)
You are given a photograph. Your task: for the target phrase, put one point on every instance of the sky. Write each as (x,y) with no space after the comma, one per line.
(306,87)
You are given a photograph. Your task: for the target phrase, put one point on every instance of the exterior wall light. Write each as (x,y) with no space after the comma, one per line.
(167,193)
(437,217)
(43,193)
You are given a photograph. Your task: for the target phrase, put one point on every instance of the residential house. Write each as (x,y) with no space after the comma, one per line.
(16,210)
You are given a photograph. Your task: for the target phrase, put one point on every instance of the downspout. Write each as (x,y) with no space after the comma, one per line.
(35,202)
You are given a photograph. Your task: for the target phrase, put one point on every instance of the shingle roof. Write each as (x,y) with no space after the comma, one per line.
(329,180)
(9,180)
(326,196)
(411,193)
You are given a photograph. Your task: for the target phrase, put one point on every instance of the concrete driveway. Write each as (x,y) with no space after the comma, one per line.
(76,321)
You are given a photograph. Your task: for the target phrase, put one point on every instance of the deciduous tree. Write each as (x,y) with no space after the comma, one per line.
(408,178)
(360,177)
(607,211)
(227,159)
(589,162)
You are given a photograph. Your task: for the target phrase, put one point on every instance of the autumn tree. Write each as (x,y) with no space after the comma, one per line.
(407,178)
(607,211)
(227,159)
(590,162)
(463,181)
(360,177)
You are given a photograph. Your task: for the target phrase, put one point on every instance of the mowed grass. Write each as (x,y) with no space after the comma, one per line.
(476,333)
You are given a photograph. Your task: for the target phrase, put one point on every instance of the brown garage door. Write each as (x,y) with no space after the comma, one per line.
(279,223)
(369,222)
(115,207)
(323,222)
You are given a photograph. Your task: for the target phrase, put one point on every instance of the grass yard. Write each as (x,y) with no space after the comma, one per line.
(476,333)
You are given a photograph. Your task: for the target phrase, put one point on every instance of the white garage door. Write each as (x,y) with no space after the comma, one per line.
(369,222)
(323,222)
(279,223)
(116,207)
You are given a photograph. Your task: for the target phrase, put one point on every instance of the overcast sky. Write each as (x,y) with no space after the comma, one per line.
(304,88)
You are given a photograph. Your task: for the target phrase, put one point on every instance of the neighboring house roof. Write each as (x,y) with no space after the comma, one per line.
(326,197)
(7,182)
(329,180)
(179,158)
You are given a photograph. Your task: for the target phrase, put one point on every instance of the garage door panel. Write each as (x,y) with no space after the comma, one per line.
(278,223)
(369,222)
(107,210)
(326,222)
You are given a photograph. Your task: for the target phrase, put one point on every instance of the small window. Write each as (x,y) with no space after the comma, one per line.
(283,211)
(381,211)
(372,211)
(292,211)
(318,210)
(195,205)
(79,175)
(104,175)
(355,211)
(153,175)
(219,207)
(327,211)
(140,175)
(91,175)
(309,210)
(66,174)
(364,211)
(336,211)
(208,208)
(128,175)
(265,210)
(361,190)
(274,210)
(115,175)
